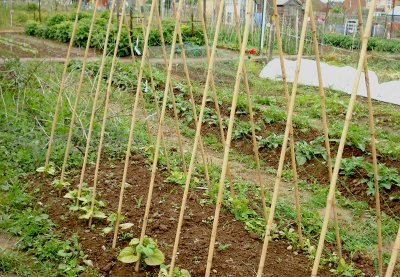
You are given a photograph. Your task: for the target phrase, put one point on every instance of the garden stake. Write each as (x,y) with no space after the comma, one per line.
(176,118)
(291,136)
(185,68)
(132,127)
(128,31)
(215,96)
(141,93)
(95,98)
(343,138)
(78,94)
(162,116)
(196,139)
(288,128)
(62,84)
(153,88)
(373,149)
(393,258)
(253,131)
(249,17)
(103,124)
(325,125)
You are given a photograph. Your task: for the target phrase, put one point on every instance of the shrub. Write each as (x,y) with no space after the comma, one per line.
(31,27)
(55,19)
(59,27)
(82,32)
(63,31)
(374,43)
(32,7)
(42,31)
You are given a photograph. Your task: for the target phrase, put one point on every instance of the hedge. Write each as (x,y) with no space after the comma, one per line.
(378,44)
(59,27)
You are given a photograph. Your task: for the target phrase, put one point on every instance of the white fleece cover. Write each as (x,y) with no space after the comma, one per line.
(334,77)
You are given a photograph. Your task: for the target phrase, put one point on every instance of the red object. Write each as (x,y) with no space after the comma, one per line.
(251,51)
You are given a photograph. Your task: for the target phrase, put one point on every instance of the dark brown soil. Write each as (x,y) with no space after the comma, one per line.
(239,259)
(316,169)
(33,47)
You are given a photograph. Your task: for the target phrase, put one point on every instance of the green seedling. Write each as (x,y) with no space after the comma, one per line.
(111,218)
(83,203)
(223,246)
(273,141)
(148,251)
(344,269)
(60,185)
(178,177)
(307,151)
(49,169)
(178,272)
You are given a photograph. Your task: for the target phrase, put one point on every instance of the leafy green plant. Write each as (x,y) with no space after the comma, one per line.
(243,129)
(223,246)
(388,177)
(273,114)
(60,185)
(349,166)
(49,169)
(83,203)
(273,141)
(71,256)
(59,27)
(306,151)
(344,269)
(62,31)
(240,208)
(148,251)
(350,42)
(31,27)
(178,177)
(111,218)
(178,272)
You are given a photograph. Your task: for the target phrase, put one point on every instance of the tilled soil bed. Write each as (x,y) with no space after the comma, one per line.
(240,258)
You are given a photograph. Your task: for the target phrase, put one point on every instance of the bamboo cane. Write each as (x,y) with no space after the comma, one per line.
(373,150)
(249,13)
(343,138)
(103,125)
(253,131)
(291,136)
(117,222)
(153,86)
(196,140)
(215,96)
(128,31)
(393,258)
(95,98)
(185,68)
(285,141)
(325,125)
(161,123)
(62,84)
(78,93)
(141,94)
(176,118)
(132,127)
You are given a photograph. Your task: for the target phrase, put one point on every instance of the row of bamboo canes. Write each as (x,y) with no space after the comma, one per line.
(241,75)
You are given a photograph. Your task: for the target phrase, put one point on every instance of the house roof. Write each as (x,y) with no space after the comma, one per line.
(396,11)
(284,2)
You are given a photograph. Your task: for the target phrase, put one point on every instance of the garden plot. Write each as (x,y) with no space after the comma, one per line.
(236,250)
(160,211)
(335,77)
